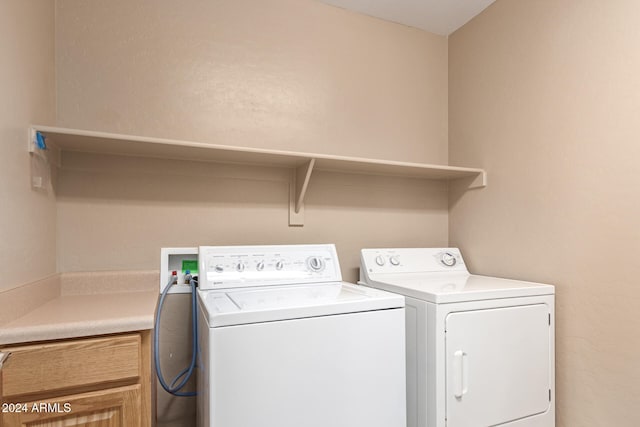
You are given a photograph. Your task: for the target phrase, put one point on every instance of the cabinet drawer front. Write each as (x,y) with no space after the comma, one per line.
(65,365)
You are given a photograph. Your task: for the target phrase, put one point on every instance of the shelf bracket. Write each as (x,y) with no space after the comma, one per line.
(43,157)
(480,181)
(51,154)
(297,189)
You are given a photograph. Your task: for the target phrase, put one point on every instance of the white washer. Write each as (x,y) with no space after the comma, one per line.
(480,350)
(283,342)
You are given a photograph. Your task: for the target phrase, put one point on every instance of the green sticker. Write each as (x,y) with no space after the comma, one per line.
(191,265)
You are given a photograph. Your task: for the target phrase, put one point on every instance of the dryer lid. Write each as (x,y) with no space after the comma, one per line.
(456,287)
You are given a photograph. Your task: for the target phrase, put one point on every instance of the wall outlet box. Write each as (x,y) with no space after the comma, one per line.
(179,260)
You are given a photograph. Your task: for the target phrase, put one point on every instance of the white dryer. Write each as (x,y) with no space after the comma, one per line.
(283,342)
(480,350)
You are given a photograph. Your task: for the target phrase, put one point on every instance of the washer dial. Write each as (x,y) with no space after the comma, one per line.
(315,263)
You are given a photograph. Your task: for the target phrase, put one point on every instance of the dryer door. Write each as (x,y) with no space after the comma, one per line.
(498,365)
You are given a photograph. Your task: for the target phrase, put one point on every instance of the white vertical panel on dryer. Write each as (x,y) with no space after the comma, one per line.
(497,365)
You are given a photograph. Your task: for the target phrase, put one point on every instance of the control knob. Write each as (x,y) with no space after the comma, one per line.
(315,263)
(394,260)
(279,265)
(260,266)
(448,259)
(380,260)
(240,267)
(219,268)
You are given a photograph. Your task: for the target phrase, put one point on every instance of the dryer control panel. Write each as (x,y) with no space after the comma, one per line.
(411,260)
(223,267)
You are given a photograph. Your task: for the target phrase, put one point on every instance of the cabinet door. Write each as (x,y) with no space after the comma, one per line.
(498,365)
(116,407)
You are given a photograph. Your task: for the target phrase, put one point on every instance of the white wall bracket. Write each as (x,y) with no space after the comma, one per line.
(42,157)
(480,181)
(298,185)
(51,154)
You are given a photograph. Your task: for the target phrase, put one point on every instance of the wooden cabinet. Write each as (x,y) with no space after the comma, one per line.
(89,382)
(115,407)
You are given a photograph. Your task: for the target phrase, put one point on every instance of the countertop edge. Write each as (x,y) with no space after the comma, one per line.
(79,329)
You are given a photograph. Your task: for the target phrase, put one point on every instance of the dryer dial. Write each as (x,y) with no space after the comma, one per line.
(448,259)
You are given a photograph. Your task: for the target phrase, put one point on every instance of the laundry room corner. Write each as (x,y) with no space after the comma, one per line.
(544,94)
(27,84)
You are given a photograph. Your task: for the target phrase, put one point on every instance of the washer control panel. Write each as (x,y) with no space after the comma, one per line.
(411,260)
(223,267)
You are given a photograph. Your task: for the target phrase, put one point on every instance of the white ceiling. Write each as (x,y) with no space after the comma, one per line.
(437,16)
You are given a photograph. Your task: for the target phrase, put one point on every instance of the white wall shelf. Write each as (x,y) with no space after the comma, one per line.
(301,164)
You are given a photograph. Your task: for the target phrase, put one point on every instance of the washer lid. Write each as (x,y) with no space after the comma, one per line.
(268,304)
(456,287)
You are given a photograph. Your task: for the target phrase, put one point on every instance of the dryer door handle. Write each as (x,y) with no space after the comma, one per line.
(460,374)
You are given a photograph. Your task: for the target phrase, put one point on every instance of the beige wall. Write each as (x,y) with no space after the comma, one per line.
(27,217)
(546,96)
(290,74)
(281,74)
(117,212)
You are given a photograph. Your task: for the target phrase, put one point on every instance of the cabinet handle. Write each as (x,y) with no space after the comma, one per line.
(460,374)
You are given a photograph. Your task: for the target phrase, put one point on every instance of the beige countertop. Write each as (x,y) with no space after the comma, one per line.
(85,314)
